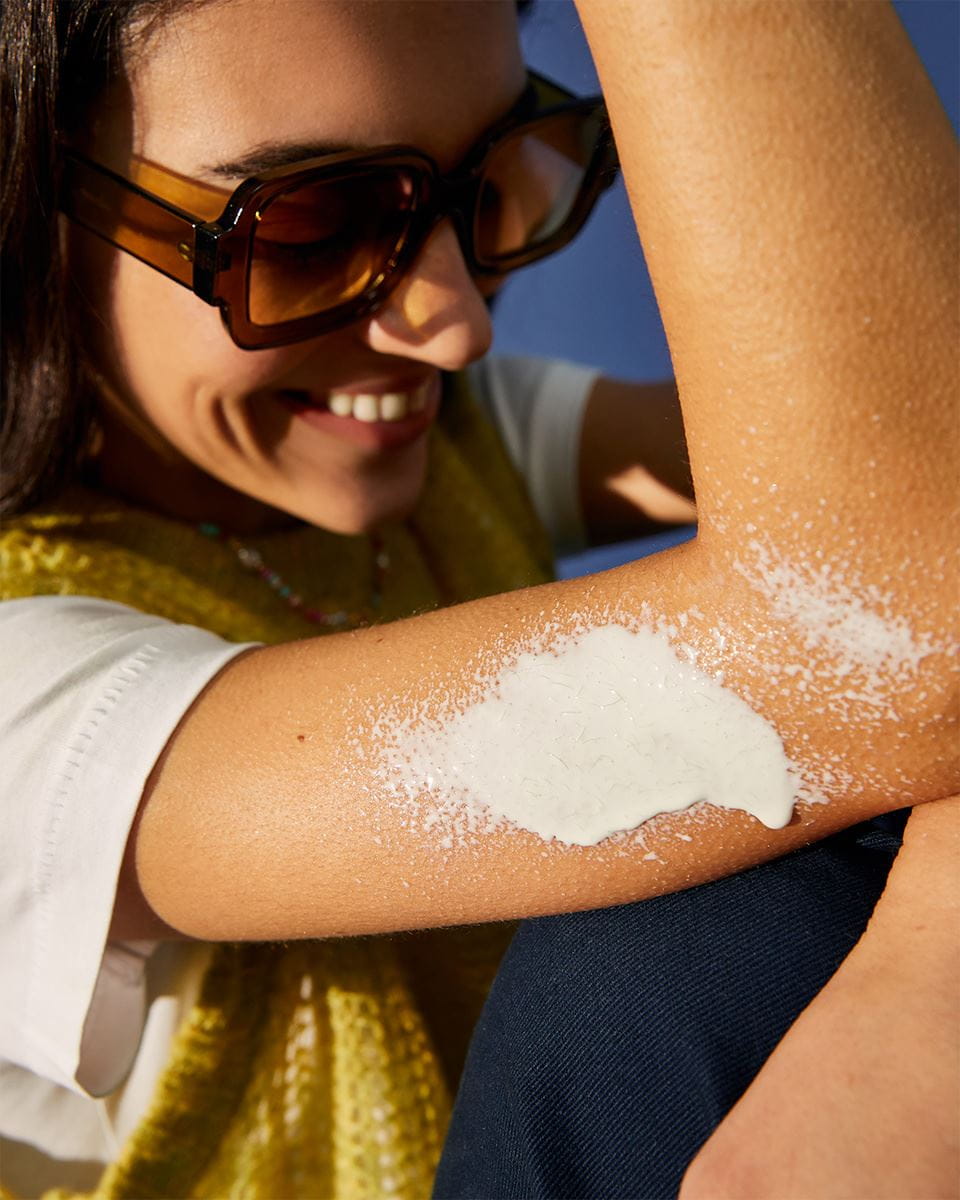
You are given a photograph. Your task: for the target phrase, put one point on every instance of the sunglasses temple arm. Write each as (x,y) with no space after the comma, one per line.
(158,234)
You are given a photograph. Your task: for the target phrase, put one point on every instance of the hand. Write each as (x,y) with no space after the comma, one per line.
(861,1099)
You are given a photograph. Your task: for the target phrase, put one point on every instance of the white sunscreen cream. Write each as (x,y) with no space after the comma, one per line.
(589,738)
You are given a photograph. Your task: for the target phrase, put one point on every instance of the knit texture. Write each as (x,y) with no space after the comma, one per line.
(310,1070)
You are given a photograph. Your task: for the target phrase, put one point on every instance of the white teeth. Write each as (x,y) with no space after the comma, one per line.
(340,404)
(393,406)
(390,406)
(365,408)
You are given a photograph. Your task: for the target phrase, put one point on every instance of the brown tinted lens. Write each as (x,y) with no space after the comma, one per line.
(531,184)
(321,244)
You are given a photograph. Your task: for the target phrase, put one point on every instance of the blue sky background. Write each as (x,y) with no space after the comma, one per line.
(593,302)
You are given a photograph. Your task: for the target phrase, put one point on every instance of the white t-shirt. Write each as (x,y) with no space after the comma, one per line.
(91,692)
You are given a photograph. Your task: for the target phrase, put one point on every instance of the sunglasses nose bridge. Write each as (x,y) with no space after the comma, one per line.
(456,199)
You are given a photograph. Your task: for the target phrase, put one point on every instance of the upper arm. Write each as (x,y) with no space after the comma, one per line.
(282,809)
(634,471)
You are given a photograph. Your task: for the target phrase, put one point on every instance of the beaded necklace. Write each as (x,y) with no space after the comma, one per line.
(252,561)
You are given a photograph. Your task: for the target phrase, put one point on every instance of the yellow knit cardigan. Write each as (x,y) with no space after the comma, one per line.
(319,1070)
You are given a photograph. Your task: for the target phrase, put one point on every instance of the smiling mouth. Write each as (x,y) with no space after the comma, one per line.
(367,407)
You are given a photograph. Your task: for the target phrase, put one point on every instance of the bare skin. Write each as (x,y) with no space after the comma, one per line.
(196,426)
(314,869)
(806,405)
(875,1054)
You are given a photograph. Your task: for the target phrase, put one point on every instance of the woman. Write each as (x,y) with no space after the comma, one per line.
(290,792)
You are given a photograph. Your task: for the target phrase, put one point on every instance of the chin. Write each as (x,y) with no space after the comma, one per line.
(362,513)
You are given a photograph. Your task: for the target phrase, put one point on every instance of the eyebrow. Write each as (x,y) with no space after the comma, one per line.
(268,155)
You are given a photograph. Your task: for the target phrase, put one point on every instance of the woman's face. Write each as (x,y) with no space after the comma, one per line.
(228,82)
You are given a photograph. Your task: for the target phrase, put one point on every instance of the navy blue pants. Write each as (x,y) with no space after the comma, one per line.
(614,1042)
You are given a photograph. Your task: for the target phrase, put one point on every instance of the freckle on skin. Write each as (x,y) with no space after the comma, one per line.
(301,737)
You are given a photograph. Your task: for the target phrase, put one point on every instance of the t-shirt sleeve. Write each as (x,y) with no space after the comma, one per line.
(90,694)
(538,405)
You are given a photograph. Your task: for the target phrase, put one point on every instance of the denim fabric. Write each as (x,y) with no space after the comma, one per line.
(615,1041)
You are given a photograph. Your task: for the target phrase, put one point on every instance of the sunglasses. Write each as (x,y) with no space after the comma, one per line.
(301,250)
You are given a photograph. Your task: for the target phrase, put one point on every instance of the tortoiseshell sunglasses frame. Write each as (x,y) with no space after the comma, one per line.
(207,247)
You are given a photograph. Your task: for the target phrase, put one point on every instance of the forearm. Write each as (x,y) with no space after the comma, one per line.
(793,178)
(917,919)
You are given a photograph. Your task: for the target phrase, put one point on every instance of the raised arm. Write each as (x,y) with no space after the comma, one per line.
(793,180)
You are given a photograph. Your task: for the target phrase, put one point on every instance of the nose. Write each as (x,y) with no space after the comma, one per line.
(436,314)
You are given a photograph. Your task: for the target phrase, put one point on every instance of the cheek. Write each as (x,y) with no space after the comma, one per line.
(167,354)
(168,345)
(160,329)
(138,325)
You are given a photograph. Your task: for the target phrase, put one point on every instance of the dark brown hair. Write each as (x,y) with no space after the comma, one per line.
(56,57)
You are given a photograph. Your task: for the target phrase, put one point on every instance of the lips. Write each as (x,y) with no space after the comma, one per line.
(375,419)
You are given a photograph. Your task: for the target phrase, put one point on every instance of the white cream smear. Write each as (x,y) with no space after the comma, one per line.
(589,738)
